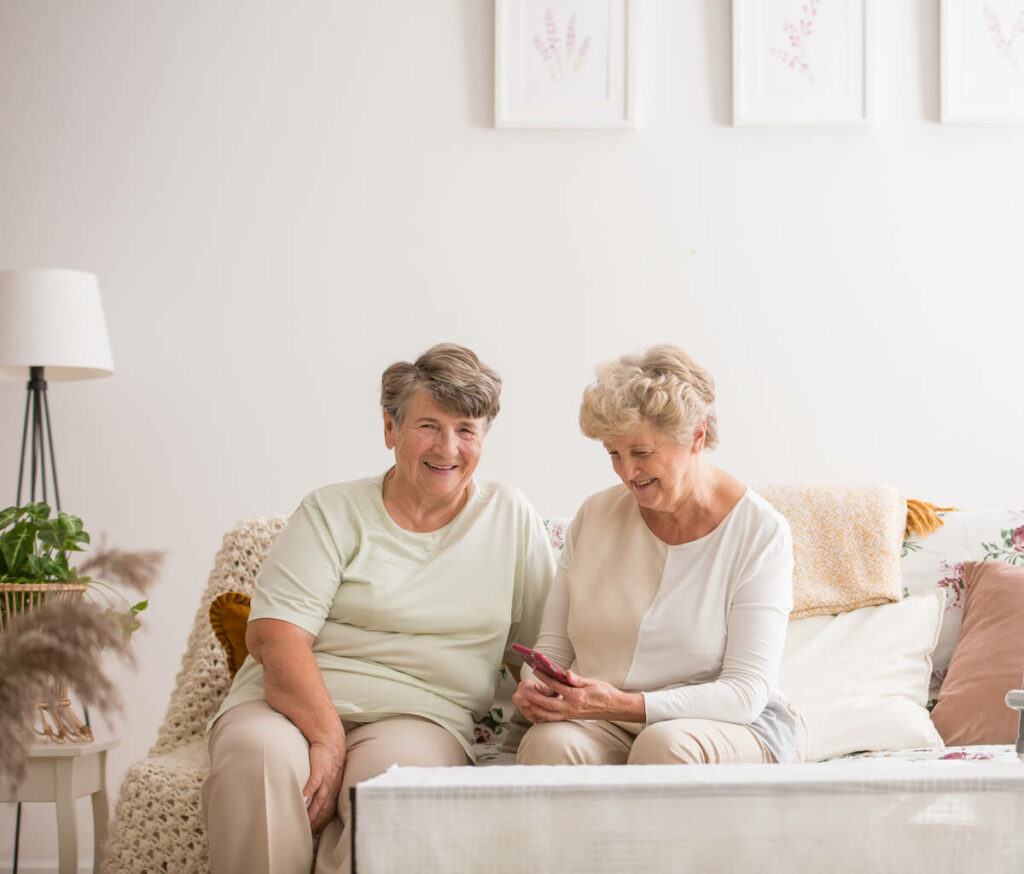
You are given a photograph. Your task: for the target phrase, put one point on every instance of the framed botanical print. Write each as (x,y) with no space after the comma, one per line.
(983,61)
(564,64)
(804,62)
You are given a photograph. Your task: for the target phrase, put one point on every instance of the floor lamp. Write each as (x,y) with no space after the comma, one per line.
(51,327)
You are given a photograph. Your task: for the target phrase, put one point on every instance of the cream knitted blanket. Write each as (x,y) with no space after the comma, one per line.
(847,542)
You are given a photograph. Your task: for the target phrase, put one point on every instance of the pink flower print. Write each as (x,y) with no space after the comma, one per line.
(1004,42)
(556,533)
(552,31)
(953,581)
(1018,539)
(798,34)
(546,57)
(560,61)
(542,49)
(965,756)
(551,28)
(582,56)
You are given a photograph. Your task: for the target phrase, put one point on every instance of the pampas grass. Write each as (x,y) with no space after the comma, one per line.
(136,569)
(65,639)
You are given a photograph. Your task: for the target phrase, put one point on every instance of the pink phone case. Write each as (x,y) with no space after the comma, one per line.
(540,662)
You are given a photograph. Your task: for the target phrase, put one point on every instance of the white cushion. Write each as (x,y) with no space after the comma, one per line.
(860,679)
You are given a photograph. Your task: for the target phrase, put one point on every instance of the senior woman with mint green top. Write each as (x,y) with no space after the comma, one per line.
(379,620)
(672,595)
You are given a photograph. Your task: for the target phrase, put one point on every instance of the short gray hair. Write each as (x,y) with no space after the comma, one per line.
(663,386)
(452,375)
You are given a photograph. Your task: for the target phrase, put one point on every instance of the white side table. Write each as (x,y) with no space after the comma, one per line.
(63,773)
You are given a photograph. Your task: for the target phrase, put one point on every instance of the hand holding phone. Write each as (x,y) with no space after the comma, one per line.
(541,663)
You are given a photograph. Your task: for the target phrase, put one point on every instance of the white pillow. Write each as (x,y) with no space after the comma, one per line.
(860,679)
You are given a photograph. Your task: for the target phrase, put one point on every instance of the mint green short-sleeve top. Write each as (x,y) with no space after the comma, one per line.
(406,623)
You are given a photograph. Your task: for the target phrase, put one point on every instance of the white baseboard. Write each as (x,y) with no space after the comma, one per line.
(47,867)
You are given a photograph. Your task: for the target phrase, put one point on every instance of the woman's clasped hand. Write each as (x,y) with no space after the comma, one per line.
(544,699)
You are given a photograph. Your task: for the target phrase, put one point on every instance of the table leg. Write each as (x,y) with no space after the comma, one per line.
(100,816)
(67,829)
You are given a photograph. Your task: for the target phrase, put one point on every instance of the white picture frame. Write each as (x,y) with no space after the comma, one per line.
(982,61)
(564,64)
(804,62)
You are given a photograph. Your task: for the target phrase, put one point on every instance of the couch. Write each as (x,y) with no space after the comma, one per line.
(865,679)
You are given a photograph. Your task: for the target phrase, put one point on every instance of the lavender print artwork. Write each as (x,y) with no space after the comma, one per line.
(561,58)
(1005,42)
(798,33)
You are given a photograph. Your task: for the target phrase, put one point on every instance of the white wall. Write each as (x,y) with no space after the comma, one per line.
(282,198)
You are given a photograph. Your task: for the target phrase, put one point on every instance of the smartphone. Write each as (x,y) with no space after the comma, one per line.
(541,663)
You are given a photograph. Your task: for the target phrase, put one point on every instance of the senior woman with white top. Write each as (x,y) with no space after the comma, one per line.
(671,598)
(379,620)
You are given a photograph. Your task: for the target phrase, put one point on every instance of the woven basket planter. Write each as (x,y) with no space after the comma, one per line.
(57,721)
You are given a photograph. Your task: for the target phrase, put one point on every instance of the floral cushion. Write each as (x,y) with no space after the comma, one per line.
(938,560)
(990,752)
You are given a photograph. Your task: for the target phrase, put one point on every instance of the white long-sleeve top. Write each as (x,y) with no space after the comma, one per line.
(698,628)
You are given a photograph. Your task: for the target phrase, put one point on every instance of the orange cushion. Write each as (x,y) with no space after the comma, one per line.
(988,659)
(229,614)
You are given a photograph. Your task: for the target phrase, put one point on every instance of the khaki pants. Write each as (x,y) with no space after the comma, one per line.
(252,800)
(672,742)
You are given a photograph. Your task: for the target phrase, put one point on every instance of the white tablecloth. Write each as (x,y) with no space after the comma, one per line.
(860,815)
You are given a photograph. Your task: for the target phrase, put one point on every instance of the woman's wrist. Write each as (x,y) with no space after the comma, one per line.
(633,707)
(623,706)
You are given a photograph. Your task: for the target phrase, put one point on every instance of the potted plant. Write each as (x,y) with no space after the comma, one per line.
(35,570)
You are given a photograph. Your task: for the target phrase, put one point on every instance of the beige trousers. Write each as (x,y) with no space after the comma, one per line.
(672,742)
(252,800)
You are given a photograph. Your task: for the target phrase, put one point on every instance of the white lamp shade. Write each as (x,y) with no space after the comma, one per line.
(52,319)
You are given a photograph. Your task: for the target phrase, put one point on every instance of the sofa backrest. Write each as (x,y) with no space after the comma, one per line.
(203,680)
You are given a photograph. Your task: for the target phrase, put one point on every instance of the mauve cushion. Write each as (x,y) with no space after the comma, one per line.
(988,659)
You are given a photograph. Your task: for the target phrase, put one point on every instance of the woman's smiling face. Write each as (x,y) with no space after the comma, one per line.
(655,468)
(436,450)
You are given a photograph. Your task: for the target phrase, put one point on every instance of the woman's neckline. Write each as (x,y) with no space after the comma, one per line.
(718,527)
(471,491)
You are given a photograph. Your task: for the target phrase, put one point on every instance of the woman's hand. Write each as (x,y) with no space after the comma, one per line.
(529,695)
(326,764)
(295,687)
(544,699)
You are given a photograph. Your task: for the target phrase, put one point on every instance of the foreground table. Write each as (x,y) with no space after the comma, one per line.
(63,773)
(845,816)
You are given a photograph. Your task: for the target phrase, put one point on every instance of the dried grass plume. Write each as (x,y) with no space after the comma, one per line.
(138,569)
(65,639)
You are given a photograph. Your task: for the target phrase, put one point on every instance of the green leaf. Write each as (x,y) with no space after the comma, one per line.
(53,568)
(37,511)
(33,569)
(126,620)
(17,544)
(71,525)
(8,516)
(72,539)
(50,534)
(138,608)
